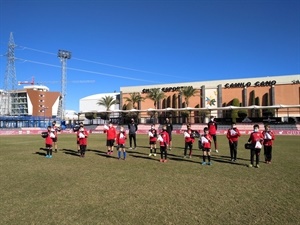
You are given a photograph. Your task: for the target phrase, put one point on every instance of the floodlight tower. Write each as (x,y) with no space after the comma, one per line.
(64,56)
(10,81)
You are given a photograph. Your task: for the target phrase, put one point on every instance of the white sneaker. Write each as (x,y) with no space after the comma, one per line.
(150,154)
(130,148)
(217,151)
(154,154)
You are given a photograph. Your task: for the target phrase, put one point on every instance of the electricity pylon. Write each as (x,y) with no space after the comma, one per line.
(9,95)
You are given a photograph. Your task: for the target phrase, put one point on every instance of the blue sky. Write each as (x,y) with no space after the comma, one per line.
(143,42)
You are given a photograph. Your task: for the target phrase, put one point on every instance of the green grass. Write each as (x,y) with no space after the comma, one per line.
(98,189)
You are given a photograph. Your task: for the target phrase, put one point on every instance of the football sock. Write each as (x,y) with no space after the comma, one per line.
(119,154)
(208,158)
(204,158)
(124,154)
(154,150)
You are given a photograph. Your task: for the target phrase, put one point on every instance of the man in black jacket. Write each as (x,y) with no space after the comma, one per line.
(132,127)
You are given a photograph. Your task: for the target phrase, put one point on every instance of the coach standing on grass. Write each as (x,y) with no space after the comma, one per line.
(132,127)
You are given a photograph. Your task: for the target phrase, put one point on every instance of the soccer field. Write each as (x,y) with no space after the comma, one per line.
(101,189)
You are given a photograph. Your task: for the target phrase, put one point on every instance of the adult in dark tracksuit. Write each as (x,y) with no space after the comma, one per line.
(169,130)
(132,127)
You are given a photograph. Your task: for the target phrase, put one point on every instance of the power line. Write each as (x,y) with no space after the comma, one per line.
(103,64)
(87,71)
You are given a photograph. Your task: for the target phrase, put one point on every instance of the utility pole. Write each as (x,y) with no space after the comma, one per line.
(64,56)
(9,96)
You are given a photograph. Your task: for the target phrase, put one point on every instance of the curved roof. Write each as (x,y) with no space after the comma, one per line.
(99,96)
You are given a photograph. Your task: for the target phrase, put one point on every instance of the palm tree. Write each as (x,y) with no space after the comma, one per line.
(107,102)
(134,98)
(155,94)
(188,92)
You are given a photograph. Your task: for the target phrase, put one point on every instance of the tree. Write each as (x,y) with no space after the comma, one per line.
(90,116)
(134,98)
(155,94)
(242,113)
(107,102)
(188,92)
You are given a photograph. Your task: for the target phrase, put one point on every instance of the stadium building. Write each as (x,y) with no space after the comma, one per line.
(260,97)
(279,93)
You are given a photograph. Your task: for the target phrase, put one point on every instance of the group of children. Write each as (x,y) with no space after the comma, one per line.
(50,139)
(120,138)
(257,140)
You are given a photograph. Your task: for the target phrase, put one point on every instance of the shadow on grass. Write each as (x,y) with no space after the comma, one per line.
(103,154)
(220,160)
(181,159)
(136,152)
(71,152)
(145,157)
(228,157)
(40,153)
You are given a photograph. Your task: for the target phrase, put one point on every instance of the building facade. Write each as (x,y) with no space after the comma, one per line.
(262,91)
(33,100)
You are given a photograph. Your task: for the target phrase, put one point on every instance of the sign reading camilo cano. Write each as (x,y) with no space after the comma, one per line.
(165,89)
(248,84)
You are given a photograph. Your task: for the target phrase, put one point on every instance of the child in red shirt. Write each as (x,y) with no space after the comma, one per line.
(82,135)
(188,141)
(206,146)
(269,137)
(49,142)
(164,142)
(54,139)
(121,140)
(233,135)
(256,139)
(111,135)
(152,133)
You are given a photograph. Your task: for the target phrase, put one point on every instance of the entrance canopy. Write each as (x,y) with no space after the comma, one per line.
(204,109)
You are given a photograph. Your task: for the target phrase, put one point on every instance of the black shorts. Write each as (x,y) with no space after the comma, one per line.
(110,143)
(54,139)
(152,142)
(206,149)
(48,146)
(121,146)
(77,142)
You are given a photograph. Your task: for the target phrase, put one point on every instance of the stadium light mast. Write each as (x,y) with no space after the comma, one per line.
(64,56)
